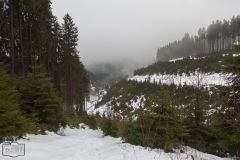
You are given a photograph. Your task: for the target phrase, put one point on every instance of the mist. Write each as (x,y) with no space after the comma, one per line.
(132,31)
(112,71)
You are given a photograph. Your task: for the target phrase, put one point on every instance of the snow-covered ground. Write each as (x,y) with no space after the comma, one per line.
(87,144)
(205,79)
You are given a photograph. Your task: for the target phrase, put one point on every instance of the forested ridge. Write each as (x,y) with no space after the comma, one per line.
(218,36)
(43,83)
(208,63)
(170,116)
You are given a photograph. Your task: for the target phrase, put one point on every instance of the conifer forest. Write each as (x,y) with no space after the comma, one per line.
(44,85)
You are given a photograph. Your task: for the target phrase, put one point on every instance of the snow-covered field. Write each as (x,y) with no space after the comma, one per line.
(87,144)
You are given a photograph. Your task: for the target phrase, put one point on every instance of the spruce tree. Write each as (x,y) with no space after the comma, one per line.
(40,102)
(12,121)
(73,71)
(70,34)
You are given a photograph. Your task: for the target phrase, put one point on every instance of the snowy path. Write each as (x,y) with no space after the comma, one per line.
(86,144)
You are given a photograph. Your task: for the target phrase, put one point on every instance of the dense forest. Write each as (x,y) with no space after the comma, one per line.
(218,36)
(43,83)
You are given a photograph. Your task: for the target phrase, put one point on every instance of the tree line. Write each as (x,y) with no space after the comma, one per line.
(218,36)
(40,66)
(208,63)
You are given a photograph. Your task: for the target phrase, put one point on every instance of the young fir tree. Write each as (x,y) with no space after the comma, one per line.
(40,102)
(109,126)
(12,121)
(170,128)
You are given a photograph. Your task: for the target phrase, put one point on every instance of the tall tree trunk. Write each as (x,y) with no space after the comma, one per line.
(11,34)
(20,33)
(212,45)
(38,59)
(59,81)
(48,68)
(209,46)
(48,61)
(220,43)
(196,46)
(30,42)
(223,47)
(69,83)
(204,45)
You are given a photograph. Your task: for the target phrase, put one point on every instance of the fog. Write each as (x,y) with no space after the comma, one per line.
(132,30)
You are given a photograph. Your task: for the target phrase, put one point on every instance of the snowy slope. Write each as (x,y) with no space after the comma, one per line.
(191,79)
(87,144)
(206,79)
(195,79)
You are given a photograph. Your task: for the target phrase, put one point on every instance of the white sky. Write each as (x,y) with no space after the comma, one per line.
(111,30)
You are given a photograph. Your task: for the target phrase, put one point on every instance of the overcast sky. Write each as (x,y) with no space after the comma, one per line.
(111,30)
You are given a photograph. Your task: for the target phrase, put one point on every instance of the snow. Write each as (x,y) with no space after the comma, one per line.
(177,59)
(205,79)
(234,55)
(139,102)
(106,109)
(87,144)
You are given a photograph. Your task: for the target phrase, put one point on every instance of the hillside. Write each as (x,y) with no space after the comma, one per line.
(207,63)
(173,103)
